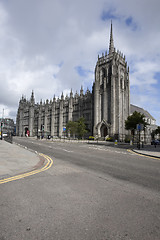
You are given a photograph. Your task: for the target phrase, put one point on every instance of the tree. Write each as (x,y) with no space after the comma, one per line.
(78,128)
(71,127)
(81,130)
(133,120)
(157,131)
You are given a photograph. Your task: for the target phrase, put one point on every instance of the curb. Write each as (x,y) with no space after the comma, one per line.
(30,173)
(25,148)
(144,154)
(41,159)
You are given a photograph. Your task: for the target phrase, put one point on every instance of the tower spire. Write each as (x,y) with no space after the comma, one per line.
(111,45)
(32,97)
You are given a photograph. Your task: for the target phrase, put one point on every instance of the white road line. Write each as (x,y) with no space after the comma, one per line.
(109,150)
(66,150)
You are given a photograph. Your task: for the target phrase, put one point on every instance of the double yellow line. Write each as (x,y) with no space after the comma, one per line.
(17,177)
(143,155)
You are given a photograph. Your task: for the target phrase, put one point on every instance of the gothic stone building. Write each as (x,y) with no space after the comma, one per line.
(105,109)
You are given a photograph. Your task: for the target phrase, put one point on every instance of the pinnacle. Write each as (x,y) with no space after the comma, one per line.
(111,45)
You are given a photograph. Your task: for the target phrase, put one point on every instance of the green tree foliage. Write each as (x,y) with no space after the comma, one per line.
(71,127)
(157,131)
(133,120)
(77,128)
(81,130)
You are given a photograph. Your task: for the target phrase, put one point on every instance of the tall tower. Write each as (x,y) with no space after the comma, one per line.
(31,115)
(111,93)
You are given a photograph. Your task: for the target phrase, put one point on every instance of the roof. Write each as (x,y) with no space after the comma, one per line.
(134,108)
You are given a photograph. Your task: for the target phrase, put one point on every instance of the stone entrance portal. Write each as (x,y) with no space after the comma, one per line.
(26,131)
(104,131)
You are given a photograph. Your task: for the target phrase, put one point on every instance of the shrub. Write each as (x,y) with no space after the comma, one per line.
(91,138)
(110,139)
(127,139)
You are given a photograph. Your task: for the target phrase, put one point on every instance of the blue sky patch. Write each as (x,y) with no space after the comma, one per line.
(60,64)
(157,76)
(130,23)
(81,71)
(108,15)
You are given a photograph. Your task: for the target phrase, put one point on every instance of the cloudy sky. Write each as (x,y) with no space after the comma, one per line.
(52,46)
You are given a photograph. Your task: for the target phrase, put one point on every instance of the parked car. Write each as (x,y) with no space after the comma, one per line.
(155,142)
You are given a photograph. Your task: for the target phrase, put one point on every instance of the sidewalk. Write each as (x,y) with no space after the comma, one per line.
(149,150)
(15,159)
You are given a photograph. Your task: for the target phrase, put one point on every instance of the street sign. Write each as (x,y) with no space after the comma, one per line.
(64,129)
(139,127)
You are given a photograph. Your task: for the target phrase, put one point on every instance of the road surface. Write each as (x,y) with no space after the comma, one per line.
(91,192)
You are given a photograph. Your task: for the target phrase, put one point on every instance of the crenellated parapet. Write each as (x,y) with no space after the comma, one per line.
(116,58)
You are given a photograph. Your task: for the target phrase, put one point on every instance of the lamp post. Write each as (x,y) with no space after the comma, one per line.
(145,134)
(138,126)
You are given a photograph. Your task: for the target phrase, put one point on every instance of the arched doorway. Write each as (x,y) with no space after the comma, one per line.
(104,131)
(26,131)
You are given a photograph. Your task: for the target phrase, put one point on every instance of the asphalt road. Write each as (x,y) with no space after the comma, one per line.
(90,192)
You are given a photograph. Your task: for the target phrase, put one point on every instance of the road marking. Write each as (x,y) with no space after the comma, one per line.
(143,155)
(20,176)
(108,150)
(66,150)
(120,152)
